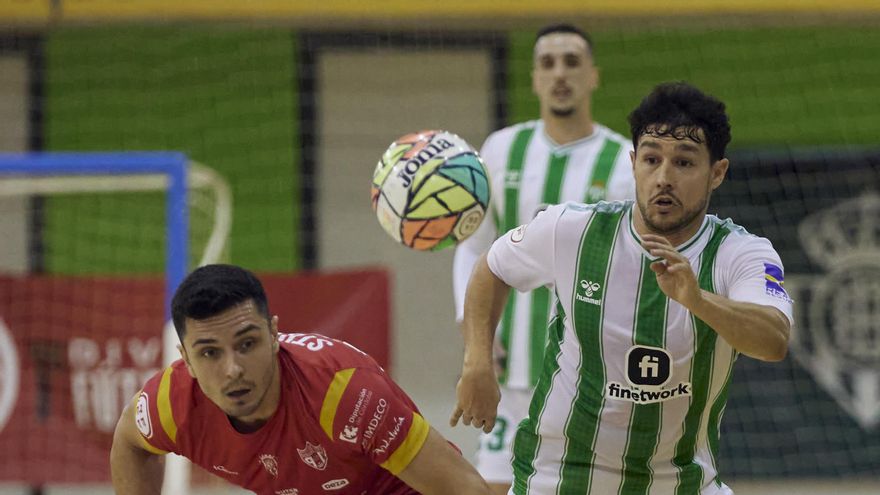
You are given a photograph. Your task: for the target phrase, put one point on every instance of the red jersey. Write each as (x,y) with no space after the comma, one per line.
(341,427)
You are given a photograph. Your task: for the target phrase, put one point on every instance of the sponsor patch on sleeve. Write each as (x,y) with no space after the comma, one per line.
(142,416)
(774,281)
(518,233)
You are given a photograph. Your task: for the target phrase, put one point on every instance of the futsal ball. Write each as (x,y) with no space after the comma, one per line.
(430,190)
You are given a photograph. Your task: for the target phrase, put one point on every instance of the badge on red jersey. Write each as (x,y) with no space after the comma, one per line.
(314,456)
(270,463)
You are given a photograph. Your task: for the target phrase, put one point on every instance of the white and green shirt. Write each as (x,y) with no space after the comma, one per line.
(633,386)
(528,171)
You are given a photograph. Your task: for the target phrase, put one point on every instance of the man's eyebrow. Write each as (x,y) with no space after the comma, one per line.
(650,144)
(209,340)
(687,147)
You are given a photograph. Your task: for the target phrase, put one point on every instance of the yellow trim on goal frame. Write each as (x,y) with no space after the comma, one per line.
(384,9)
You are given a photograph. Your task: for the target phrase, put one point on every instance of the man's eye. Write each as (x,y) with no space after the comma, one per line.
(208,353)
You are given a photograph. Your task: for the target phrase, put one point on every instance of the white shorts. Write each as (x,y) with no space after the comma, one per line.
(494,453)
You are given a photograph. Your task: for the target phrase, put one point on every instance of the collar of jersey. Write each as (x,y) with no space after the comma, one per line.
(561,148)
(681,248)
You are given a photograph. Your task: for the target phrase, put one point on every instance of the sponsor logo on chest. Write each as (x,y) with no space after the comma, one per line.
(376,419)
(648,372)
(335,484)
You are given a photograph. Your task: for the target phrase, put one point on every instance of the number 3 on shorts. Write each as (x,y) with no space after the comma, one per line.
(496,436)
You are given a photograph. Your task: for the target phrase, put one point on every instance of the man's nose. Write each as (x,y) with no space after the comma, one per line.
(234,369)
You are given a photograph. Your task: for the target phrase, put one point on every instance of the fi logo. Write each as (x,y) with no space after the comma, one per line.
(648,367)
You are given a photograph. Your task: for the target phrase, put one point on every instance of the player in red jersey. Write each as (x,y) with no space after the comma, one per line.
(289,414)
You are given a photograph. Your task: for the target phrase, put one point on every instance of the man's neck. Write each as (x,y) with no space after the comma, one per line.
(568,129)
(675,238)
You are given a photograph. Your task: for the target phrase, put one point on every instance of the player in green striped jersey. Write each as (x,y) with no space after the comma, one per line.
(656,301)
(564,156)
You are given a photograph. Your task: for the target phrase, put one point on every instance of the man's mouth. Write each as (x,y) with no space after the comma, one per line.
(664,202)
(561,91)
(238,393)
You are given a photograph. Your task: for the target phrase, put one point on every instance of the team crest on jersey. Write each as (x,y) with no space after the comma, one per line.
(270,462)
(837,338)
(9,371)
(314,456)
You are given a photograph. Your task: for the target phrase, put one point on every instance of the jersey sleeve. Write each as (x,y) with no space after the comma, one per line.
(469,251)
(524,257)
(757,276)
(365,411)
(154,415)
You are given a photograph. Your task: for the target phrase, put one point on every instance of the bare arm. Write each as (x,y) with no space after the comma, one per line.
(755,330)
(134,470)
(439,469)
(477,390)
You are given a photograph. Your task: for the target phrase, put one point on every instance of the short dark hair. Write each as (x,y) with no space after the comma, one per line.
(680,110)
(212,289)
(564,27)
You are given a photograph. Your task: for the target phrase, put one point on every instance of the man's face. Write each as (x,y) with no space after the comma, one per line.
(563,76)
(233,355)
(674,181)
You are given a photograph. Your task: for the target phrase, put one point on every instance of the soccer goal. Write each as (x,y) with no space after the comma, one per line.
(94,245)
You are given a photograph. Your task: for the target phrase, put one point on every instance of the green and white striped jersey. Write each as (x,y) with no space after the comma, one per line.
(528,171)
(633,387)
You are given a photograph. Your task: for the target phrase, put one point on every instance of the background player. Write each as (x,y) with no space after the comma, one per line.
(564,156)
(277,414)
(656,301)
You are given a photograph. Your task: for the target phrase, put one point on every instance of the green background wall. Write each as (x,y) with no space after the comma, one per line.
(223,96)
(803,86)
(226,97)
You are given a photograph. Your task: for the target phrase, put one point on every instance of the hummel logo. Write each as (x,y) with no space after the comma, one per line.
(590,289)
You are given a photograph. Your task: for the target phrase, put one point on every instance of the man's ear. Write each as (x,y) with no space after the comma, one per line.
(273,331)
(719,170)
(185,357)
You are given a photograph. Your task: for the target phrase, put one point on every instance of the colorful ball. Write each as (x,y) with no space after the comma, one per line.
(430,190)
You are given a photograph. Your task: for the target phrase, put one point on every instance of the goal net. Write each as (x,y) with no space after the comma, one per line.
(94,245)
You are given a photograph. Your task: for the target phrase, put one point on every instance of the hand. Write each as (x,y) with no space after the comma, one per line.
(674,274)
(478,396)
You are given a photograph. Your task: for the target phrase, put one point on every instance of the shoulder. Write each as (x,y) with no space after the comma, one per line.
(735,236)
(615,136)
(164,406)
(318,362)
(503,138)
(574,210)
(320,351)
(342,385)
(738,245)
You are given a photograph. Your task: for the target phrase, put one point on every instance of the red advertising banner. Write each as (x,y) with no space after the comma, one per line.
(74,350)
